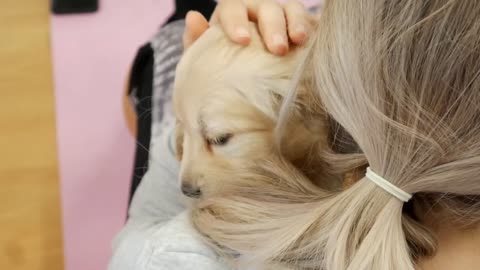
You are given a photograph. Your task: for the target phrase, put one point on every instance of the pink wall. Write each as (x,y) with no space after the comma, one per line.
(91,56)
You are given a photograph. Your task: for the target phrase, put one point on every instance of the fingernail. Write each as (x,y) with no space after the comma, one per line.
(279,41)
(300,34)
(301,29)
(242,33)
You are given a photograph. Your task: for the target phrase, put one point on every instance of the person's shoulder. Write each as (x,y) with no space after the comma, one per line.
(178,235)
(173,245)
(177,245)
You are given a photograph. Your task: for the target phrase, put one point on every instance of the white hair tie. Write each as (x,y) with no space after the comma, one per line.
(387,186)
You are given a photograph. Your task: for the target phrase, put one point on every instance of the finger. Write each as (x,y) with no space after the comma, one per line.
(233,17)
(251,5)
(272,26)
(298,21)
(252,8)
(195,26)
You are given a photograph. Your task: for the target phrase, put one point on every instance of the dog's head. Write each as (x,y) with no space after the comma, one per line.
(227,100)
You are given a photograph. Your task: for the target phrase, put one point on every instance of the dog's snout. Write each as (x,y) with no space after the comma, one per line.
(191,191)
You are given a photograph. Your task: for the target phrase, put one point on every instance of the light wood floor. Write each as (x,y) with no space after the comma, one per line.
(30,226)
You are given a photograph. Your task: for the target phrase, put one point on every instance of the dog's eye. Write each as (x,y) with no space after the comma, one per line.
(220,140)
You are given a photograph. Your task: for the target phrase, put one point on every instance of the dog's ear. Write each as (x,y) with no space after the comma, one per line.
(179,140)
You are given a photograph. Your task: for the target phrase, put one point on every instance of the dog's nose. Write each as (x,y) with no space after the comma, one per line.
(191,191)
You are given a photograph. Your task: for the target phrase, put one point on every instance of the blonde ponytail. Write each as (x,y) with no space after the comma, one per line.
(402,78)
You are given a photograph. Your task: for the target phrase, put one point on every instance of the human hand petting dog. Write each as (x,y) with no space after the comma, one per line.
(279,24)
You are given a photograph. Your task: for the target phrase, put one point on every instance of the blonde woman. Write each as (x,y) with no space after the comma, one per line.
(401,77)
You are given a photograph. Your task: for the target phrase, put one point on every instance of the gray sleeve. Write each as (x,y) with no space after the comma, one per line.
(171,245)
(158,234)
(154,203)
(183,261)
(178,246)
(158,196)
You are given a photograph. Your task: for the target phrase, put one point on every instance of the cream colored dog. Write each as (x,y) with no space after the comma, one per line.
(227,100)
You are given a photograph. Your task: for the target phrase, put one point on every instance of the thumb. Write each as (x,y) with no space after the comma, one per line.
(195,26)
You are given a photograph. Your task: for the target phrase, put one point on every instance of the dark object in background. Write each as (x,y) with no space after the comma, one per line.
(74,6)
(140,92)
(205,7)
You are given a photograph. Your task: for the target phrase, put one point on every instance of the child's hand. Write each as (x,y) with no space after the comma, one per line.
(278,24)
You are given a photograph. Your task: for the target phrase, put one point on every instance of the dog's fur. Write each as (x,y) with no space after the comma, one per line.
(227,100)
(251,161)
